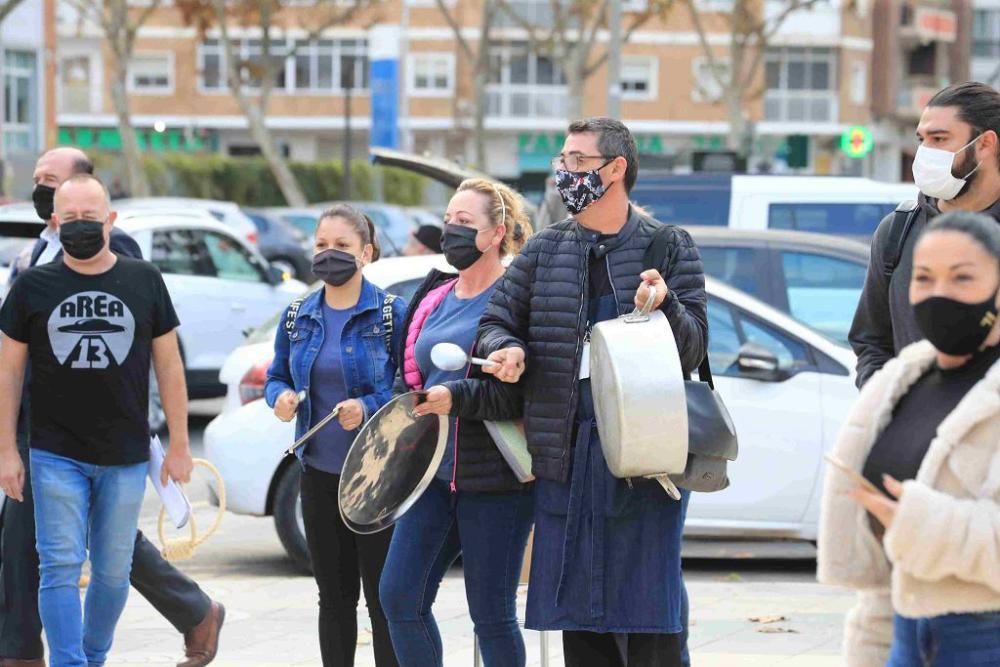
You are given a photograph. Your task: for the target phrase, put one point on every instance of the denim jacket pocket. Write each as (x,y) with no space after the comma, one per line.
(377,356)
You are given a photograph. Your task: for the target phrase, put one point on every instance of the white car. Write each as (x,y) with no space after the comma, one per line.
(226,212)
(840,206)
(786,414)
(219,283)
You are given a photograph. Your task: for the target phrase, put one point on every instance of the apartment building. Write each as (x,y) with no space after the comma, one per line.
(816,80)
(922,46)
(28,120)
(985,65)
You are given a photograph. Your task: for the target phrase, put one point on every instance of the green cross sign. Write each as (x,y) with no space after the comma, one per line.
(857,141)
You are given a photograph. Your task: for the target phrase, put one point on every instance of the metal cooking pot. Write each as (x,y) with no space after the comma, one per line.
(390,464)
(639,398)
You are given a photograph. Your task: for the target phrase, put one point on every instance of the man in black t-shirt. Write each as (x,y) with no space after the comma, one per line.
(174,595)
(91,326)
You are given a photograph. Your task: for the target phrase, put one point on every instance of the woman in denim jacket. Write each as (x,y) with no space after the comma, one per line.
(332,350)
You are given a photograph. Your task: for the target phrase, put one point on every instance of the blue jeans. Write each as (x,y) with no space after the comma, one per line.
(954,640)
(490,530)
(79,505)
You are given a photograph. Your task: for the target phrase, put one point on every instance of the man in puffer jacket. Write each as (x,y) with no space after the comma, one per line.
(606,557)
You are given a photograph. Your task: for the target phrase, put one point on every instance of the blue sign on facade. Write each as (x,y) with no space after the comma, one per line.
(384,86)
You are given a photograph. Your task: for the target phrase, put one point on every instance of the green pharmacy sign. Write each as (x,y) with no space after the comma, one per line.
(857,141)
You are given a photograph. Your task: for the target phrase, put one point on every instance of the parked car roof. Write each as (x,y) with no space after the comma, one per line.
(727,235)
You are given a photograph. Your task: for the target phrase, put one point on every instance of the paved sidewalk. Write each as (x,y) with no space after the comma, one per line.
(271,617)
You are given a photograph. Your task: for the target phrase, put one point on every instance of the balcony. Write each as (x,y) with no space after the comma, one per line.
(926,23)
(801,106)
(912,97)
(512,101)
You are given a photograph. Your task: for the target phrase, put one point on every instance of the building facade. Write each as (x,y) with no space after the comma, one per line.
(27,123)
(816,79)
(986,42)
(923,46)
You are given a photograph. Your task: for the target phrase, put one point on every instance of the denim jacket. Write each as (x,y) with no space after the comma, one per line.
(368,367)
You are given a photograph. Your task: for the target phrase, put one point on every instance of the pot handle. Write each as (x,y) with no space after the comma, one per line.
(641,314)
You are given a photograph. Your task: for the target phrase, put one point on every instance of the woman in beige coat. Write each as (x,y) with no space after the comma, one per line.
(924,554)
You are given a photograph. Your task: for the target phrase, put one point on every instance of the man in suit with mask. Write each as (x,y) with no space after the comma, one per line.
(175,596)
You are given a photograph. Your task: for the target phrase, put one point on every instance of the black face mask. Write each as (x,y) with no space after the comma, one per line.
(82,239)
(334,267)
(459,246)
(954,327)
(43,196)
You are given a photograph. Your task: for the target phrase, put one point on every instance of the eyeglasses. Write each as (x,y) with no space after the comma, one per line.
(572,161)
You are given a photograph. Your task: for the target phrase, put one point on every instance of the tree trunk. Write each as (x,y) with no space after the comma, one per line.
(287,182)
(575,81)
(479,131)
(736,141)
(138,183)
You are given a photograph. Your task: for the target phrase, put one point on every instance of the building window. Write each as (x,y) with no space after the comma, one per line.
(859,84)
(74,84)
(318,66)
(986,33)
(432,74)
(151,73)
(525,84)
(638,78)
(20,112)
(706,84)
(714,5)
(801,85)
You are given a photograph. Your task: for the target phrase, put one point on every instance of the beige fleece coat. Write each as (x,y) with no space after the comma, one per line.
(942,553)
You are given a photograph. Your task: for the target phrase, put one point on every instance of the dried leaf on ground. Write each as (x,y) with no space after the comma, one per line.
(767,619)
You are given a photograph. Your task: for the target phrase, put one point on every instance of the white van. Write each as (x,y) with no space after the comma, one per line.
(841,206)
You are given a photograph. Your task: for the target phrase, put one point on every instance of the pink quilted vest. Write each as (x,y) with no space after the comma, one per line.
(431,300)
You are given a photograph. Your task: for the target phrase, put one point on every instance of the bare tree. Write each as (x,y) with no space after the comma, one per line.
(252,80)
(570,38)
(480,59)
(120,25)
(736,76)
(7,7)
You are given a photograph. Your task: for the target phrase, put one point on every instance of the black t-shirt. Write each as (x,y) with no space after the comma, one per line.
(902,446)
(90,345)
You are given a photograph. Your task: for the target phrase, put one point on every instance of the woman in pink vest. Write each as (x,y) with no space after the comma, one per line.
(475,506)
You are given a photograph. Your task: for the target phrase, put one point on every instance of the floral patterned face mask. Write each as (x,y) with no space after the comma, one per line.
(580,189)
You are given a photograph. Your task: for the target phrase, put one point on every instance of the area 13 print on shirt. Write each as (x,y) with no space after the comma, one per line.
(91,330)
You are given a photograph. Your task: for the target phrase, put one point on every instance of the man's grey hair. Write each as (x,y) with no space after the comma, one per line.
(613,140)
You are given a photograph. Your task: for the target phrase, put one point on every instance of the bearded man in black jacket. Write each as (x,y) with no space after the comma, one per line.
(606,557)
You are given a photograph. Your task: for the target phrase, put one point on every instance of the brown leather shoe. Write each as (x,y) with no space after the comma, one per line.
(201,642)
(13,662)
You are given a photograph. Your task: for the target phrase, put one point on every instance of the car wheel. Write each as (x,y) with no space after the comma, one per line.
(285,266)
(288,517)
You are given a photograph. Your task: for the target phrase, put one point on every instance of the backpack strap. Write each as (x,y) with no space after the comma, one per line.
(292,314)
(387,324)
(902,222)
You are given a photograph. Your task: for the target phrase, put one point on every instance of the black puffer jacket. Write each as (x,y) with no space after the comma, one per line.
(481,468)
(540,305)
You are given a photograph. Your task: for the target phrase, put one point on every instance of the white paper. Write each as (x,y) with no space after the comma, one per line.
(585,362)
(172,496)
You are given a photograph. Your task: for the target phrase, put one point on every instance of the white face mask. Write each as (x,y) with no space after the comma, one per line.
(932,172)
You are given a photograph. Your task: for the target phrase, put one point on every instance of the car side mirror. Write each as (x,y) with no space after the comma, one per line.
(758,363)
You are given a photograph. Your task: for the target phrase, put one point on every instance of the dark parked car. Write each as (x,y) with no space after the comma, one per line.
(815,278)
(282,244)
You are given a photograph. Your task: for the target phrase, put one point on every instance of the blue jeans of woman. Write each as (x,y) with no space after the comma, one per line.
(81,506)
(953,640)
(490,530)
